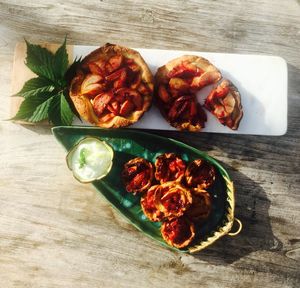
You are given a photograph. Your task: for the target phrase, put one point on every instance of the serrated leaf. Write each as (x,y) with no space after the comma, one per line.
(41,111)
(71,104)
(71,71)
(29,105)
(40,61)
(42,100)
(61,62)
(66,112)
(35,86)
(60,112)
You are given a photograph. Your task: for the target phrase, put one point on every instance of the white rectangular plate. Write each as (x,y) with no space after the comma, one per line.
(261,80)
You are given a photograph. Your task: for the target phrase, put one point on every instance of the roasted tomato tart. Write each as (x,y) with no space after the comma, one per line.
(178,232)
(113,87)
(200,175)
(169,167)
(201,206)
(137,175)
(224,101)
(177,82)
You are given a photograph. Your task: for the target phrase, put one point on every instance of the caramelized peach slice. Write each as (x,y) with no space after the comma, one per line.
(90,86)
(95,69)
(100,102)
(179,84)
(163,94)
(126,108)
(143,89)
(137,100)
(115,75)
(119,78)
(130,94)
(114,63)
(185,70)
(137,81)
(180,106)
(224,102)
(229,103)
(114,107)
(101,63)
(205,79)
(134,67)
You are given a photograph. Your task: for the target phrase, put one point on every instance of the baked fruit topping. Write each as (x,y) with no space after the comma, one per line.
(148,204)
(224,101)
(201,206)
(180,201)
(169,167)
(177,82)
(173,199)
(137,175)
(113,87)
(178,232)
(200,174)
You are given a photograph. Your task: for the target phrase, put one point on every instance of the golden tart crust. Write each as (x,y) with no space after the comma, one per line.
(103,60)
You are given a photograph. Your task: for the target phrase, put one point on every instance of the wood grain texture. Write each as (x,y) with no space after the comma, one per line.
(55,232)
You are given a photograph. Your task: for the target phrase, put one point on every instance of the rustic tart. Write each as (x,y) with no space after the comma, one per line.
(112,87)
(177,83)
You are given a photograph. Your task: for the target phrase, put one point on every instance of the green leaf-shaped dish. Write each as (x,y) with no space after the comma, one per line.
(128,144)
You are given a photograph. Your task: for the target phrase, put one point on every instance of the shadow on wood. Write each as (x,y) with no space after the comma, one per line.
(252,207)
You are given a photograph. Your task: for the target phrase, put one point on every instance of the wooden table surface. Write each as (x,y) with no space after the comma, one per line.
(55,232)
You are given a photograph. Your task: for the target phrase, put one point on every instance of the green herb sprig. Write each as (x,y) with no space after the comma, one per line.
(46,96)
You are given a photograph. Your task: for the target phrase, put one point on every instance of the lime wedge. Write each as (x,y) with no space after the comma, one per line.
(90,159)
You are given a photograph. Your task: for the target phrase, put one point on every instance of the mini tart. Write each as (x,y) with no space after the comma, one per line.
(169,167)
(180,79)
(137,175)
(172,199)
(200,174)
(178,232)
(113,87)
(201,206)
(148,205)
(224,101)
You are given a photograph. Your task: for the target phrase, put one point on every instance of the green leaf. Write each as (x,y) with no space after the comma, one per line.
(41,111)
(40,61)
(35,86)
(66,112)
(42,99)
(61,62)
(30,105)
(71,71)
(60,112)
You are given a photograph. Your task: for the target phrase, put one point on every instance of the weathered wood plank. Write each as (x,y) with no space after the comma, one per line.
(55,232)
